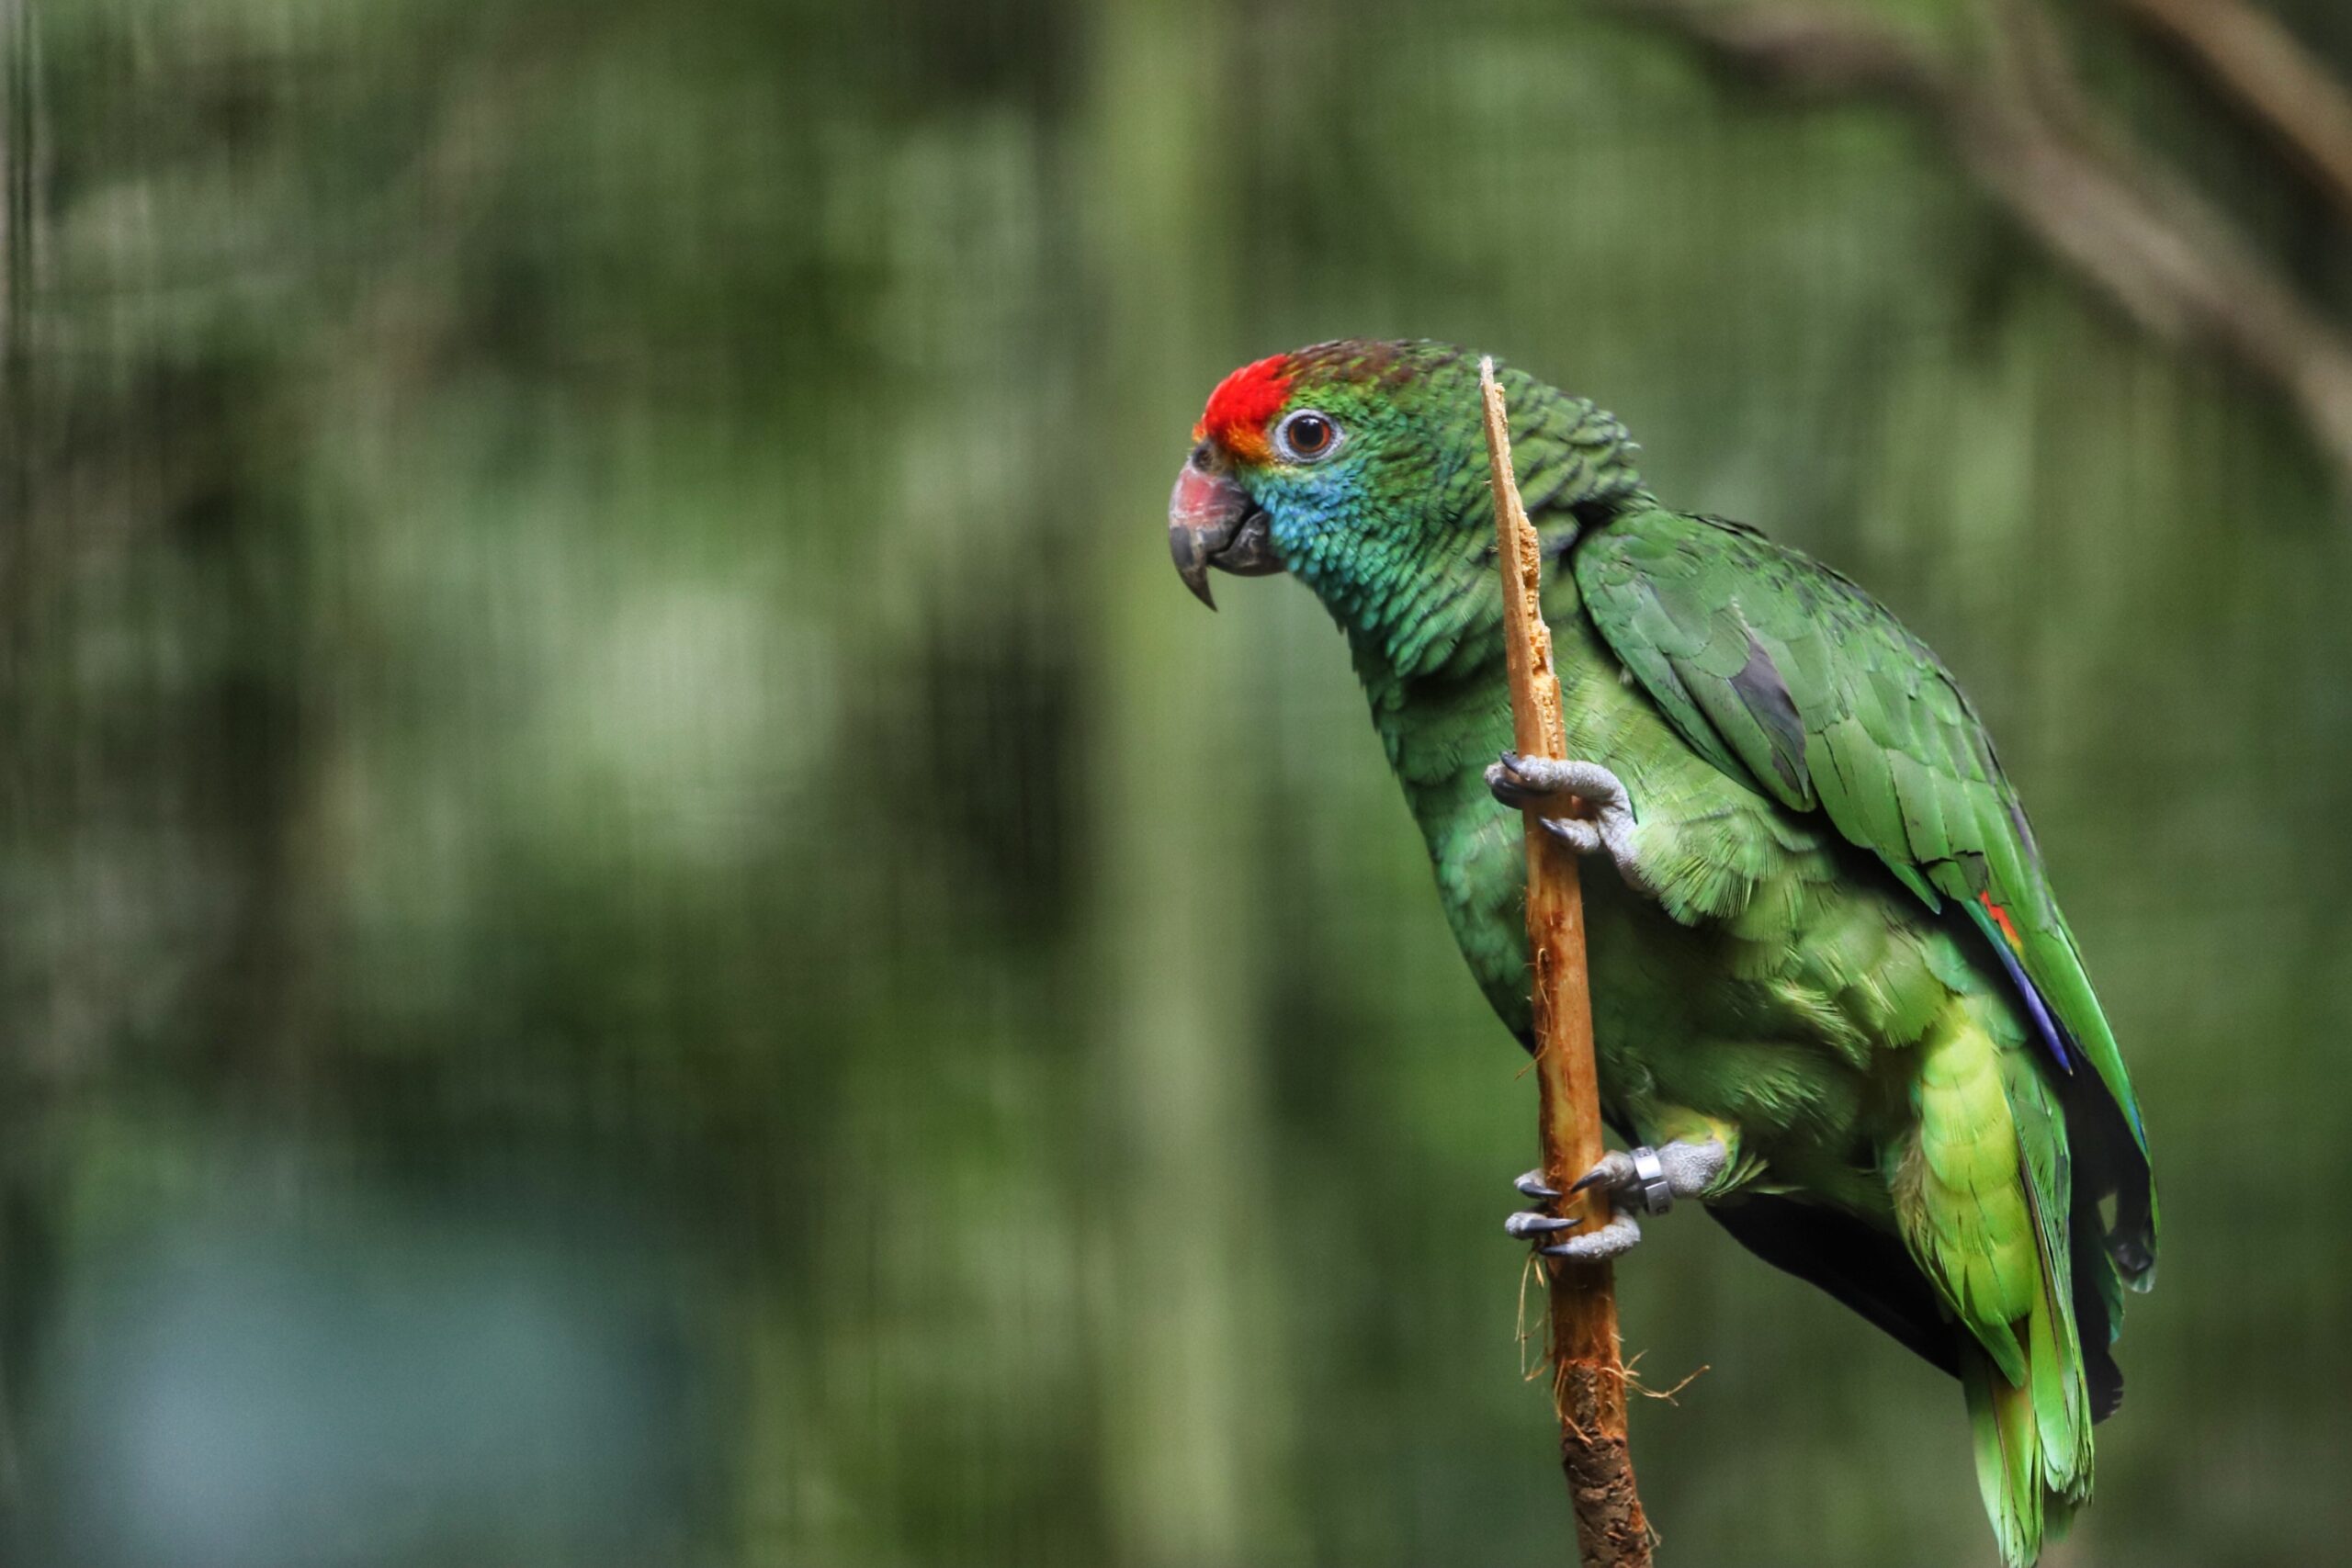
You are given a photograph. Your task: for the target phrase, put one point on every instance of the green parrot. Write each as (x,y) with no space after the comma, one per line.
(1834,1000)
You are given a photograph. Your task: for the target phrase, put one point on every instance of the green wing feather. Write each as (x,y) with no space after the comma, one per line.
(1789,677)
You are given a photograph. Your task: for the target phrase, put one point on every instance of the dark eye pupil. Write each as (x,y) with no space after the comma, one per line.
(1309,434)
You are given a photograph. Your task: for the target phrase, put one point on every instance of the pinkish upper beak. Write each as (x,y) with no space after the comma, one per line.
(1212,522)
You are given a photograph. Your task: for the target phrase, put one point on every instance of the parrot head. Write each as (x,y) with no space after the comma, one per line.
(1295,459)
(1359,466)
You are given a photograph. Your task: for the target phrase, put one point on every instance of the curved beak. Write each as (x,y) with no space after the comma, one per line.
(1212,522)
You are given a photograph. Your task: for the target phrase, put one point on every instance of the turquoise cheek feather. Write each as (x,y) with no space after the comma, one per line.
(1354,531)
(1808,973)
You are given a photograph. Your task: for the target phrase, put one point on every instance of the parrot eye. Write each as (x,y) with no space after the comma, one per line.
(1307,436)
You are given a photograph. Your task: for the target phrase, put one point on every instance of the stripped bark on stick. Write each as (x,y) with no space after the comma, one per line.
(1588,1376)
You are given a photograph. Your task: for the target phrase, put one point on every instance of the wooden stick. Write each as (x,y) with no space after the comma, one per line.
(1587,1379)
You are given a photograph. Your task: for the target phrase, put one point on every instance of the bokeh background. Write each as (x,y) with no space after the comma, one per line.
(638,926)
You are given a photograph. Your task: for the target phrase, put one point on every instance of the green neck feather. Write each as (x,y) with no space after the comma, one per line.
(1404,558)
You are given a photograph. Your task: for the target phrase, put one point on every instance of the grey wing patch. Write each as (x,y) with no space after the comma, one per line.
(1765,694)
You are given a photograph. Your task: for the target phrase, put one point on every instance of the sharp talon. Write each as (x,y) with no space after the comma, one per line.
(1533,1185)
(1612,1240)
(1592,1178)
(1576,832)
(1527,1222)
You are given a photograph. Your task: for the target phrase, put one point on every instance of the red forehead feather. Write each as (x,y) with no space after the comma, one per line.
(1243,403)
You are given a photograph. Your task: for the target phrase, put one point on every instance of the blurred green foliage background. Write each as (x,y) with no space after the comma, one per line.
(638,925)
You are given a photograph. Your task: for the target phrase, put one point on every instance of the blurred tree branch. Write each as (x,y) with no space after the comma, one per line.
(2108,211)
(2273,79)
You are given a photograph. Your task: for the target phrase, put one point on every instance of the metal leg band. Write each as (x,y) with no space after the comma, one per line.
(1649,1177)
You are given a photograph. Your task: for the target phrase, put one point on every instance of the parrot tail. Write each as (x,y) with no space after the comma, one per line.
(2030,1489)
(2033,1435)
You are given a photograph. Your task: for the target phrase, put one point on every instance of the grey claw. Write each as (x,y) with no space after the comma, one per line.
(1610,826)
(1612,1240)
(1504,782)
(1576,833)
(1613,1170)
(1528,1224)
(1533,1185)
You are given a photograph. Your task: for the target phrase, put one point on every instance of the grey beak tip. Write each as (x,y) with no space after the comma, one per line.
(1191,564)
(1212,524)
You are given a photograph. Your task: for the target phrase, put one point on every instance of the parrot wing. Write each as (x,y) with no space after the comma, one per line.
(1786,676)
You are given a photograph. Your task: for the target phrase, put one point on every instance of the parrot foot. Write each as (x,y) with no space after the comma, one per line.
(1644,1179)
(1583,804)
(1613,1238)
(1658,1175)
